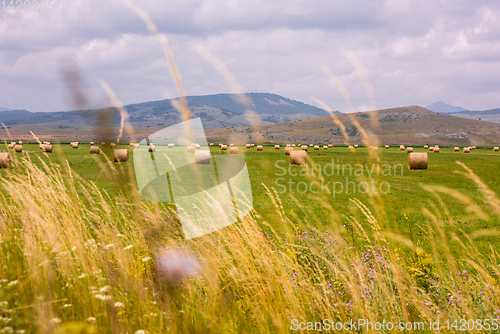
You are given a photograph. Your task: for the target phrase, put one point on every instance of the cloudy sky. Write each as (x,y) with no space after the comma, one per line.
(415,52)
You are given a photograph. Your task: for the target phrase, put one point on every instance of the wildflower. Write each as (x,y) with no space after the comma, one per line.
(55,320)
(119,304)
(128,247)
(91,320)
(146,259)
(459,292)
(464,272)
(12,283)
(66,305)
(105,289)
(82,275)
(142,331)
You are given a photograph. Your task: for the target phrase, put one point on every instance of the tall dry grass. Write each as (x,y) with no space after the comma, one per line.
(75,260)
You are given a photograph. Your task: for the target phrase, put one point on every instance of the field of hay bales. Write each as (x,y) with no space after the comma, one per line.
(81,252)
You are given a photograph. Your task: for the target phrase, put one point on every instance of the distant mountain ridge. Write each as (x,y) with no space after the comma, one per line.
(218,110)
(442,107)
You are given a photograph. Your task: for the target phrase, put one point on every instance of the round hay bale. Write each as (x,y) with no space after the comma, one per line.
(456,149)
(253,145)
(224,147)
(325,147)
(74,145)
(401,147)
(466,150)
(409,149)
(26,142)
(10,146)
(350,148)
(386,146)
(418,161)
(316,147)
(202,157)
(260,148)
(103,144)
(473,147)
(47,148)
(197,146)
(426,147)
(220,145)
(356,146)
(191,149)
(276,147)
(436,150)
(233,150)
(137,145)
(170,145)
(18,148)
(112,145)
(311,145)
(496,149)
(94,150)
(211,144)
(298,157)
(231,145)
(120,155)
(329,145)
(152,148)
(248,146)
(303,148)
(374,148)
(20,142)
(293,145)
(288,145)
(92,143)
(431,149)
(288,150)
(5,160)
(131,144)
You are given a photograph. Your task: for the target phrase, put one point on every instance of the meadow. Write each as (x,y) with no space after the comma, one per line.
(83,253)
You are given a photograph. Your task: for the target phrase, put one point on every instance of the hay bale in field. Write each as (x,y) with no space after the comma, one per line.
(112,145)
(233,150)
(325,147)
(248,146)
(5,160)
(316,147)
(356,146)
(253,145)
(496,149)
(418,161)
(311,145)
(10,146)
(231,145)
(137,145)
(131,144)
(288,150)
(92,143)
(170,145)
(288,145)
(151,148)
(220,145)
(224,147)
(401,147)
(298,157)
(120,155)
(293,145)
(426,147)
(26,142)
(350,148)
(374,148)
(456,149)
(473,147)
(211,144)
(94,150)
(20,142)
(202,157)
(329,145)
(260,148)
(191,149)
(276,147)
(431,148)
(466,150)
(41,146)
(18,148)
(74,145)
(386,146)
(303,148)
(197,146)
(103,144)
(436,150)
(47,148)
(409,149)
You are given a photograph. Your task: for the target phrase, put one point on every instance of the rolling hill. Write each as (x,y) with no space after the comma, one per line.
(404,125)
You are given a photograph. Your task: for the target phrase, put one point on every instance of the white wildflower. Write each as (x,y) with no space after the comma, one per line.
(140,331)
(105,289)
(119,304)
(66,305)
(12,283)
(128,247)
(56,320)
(91,320)
(146,259)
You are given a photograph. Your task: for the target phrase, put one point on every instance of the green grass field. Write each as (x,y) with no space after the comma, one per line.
(79,258)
